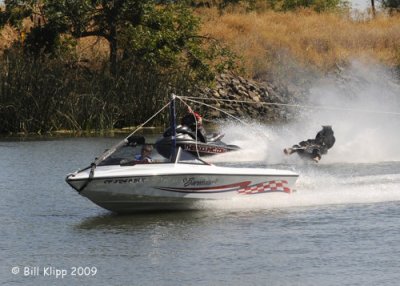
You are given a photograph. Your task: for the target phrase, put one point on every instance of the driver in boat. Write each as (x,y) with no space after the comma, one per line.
(193,119)
(144,156)
(323,141)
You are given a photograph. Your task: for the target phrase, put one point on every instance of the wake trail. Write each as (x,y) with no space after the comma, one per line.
(318,192)
(362,167)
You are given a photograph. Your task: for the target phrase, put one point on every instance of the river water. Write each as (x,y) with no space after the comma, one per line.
(339,228)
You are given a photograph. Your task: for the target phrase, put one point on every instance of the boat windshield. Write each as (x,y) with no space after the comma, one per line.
(184,157)
(122,154)
(127,155)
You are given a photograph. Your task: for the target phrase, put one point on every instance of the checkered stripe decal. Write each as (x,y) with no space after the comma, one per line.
(265,187)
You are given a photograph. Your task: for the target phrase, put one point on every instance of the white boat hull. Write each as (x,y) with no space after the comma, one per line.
(169,186)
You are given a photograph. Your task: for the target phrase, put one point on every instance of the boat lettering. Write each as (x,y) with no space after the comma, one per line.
(124,181)
(204,149)
(191,181)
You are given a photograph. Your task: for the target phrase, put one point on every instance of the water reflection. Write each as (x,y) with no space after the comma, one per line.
(111,221)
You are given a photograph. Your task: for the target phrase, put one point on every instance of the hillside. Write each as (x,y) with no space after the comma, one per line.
(318,41)
(279,56)
(267,40)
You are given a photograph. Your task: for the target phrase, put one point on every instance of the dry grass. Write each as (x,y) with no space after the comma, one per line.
(312,39)
(93,49)
(7,36)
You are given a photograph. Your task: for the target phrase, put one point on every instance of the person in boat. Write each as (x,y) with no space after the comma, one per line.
(145,154)
(194,122)
(319,146)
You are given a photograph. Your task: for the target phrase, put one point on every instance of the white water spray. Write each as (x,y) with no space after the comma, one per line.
(364,111)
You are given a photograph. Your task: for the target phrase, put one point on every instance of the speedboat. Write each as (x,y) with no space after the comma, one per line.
(118,182)
(186,139)
(123,187)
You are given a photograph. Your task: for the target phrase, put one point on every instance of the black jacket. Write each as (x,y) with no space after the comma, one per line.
(325,137)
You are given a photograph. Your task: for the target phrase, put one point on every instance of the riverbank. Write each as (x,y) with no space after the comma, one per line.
(60,134)
(279,56)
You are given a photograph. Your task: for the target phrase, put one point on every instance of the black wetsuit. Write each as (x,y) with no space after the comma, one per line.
(323,141)
(189,120)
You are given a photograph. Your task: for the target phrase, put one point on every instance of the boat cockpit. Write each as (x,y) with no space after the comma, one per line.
(126,154)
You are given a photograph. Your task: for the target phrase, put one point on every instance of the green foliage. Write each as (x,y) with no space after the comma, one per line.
(391,4)
(94,17)
(160,36)
(280,5)
(42,40)
(225,3)
(53,95)
(154,48)
(163,36)
(168,40)
(15,11)
(317,5)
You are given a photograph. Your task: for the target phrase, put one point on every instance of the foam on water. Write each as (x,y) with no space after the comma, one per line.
(364,112)
(319,191)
